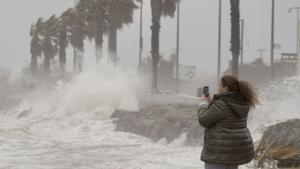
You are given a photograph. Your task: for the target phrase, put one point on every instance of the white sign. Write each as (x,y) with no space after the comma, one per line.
(277,46)
(186,72)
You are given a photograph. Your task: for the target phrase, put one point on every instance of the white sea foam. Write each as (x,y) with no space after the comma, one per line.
(68,127)
(279,102)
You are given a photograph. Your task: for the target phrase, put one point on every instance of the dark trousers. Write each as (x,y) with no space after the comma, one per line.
(219,166)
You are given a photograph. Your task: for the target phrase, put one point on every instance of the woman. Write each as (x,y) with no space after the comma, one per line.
(227,141)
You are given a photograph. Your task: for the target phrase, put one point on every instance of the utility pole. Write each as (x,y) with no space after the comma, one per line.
(219,40)
(272,39)
(177,46)
(298,27)
(242,41)
(141,37)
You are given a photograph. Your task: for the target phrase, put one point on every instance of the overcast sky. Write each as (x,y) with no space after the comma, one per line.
(198,36)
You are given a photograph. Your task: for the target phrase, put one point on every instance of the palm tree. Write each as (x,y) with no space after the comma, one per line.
(90,19)
(101,26)
(63,44)
(76,28)
(94,13)
(235,35)
(50,49)
(36,44)
(119,12)
(159,8)
(62,41)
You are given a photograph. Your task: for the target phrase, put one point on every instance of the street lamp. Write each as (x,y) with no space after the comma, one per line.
(272,39)
(219,40)
(141,36)
(242,40)
(298,33)
(177,46)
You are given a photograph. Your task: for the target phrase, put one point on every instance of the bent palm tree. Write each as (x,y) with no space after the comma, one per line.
(36,44)
(76,28)
(62,42)
(50,40)
(119,12)
(101,26)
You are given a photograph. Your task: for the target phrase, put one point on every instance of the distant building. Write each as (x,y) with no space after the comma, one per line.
(186,72)
(259,73)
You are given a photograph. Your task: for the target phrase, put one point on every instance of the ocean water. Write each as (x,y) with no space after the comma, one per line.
(69,127)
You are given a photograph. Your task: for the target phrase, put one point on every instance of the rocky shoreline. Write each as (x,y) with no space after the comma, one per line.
(280,143)
(169,122)
(278,147)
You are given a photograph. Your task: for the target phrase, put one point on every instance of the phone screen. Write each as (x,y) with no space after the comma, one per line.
(206,91)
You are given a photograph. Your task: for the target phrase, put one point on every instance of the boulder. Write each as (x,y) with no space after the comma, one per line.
(280,145)
(158,122)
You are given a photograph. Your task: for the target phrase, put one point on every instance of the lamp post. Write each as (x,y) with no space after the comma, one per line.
(298,31)
(272,39)
(141,36)
(242,41)
(177,46)
(219,40)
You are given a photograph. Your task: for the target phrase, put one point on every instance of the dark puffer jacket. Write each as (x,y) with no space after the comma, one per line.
(227,139)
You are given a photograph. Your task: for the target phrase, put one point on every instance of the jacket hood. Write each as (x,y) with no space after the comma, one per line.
(237,103)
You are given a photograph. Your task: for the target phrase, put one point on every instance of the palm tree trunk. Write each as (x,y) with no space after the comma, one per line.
(78,51)
(80,56)
(156,6)
(35,53)
(33,64)
(112,44)
(62,51)
(47,61)
(99,41)
(75,56)
(48,54)
(235,35)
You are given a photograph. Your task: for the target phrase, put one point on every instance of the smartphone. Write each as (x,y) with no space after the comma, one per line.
(203,91)
(206,91)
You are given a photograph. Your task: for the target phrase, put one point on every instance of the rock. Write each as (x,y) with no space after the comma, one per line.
(158,122)
(24,113)
(280,142)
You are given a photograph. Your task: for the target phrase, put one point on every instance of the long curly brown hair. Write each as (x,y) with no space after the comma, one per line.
(245,88)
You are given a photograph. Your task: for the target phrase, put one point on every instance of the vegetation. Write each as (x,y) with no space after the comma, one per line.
(94,19)
(90,19)
(159,8)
